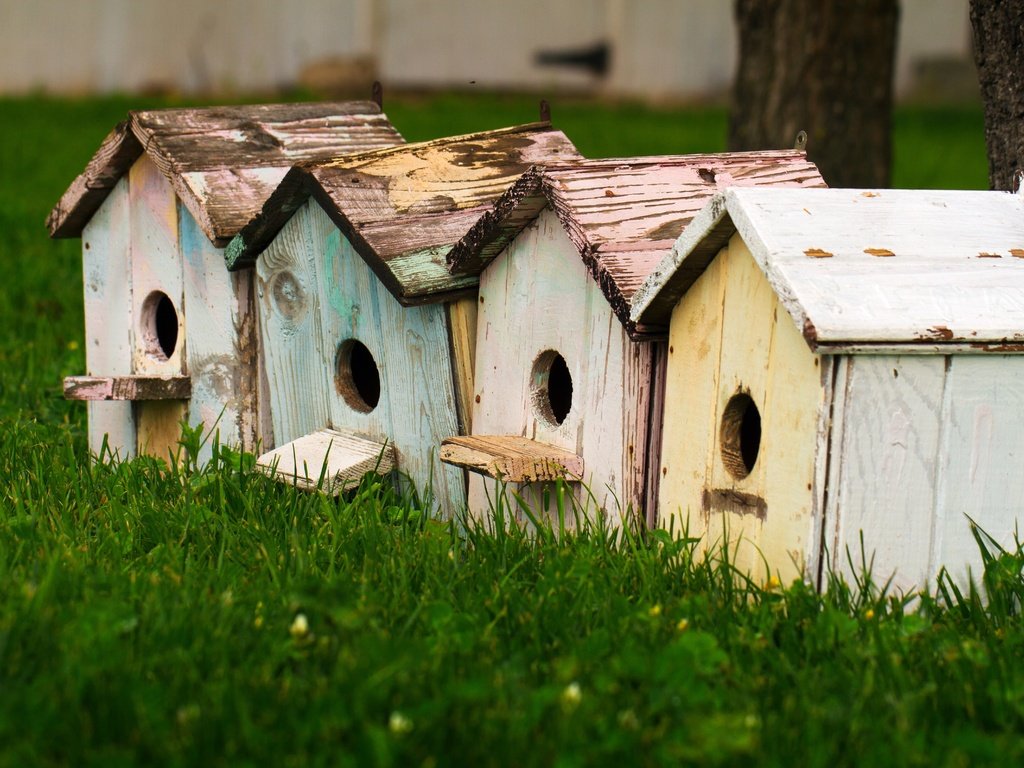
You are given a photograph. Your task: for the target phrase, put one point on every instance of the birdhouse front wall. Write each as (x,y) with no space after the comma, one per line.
(743,415)
(330,329)
(147,270)
(538,301)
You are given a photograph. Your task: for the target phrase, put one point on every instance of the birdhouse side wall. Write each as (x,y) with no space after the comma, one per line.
(317,295)
(733,347)
(221,338)
(923,445)
(106,265)
(537,298)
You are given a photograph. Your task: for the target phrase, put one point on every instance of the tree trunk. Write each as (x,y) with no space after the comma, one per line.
(825,67)
(998,41)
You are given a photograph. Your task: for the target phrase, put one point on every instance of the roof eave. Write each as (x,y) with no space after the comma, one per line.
(244,248)
(708,232)
(83,198)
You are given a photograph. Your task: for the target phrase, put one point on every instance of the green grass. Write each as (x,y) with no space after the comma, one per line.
(150,616)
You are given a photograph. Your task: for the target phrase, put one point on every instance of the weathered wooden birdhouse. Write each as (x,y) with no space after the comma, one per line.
(169,332)
(364,331)
(566,384)
(844,363)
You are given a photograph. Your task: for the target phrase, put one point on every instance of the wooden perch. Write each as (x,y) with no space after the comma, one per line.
(511,458)
(127,388)
(339,458)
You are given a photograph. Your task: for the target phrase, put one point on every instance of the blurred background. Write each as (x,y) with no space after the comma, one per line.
(659,51)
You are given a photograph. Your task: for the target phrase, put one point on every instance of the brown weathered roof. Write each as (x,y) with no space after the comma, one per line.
(222,161)
(404,208)
(623,215)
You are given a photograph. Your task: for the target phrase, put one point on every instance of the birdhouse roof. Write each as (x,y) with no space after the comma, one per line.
(623,215)
(403,208)
(223,162)
(863,270)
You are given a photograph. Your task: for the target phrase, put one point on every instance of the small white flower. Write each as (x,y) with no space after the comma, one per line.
(571,695)
(399,723)
(300,626)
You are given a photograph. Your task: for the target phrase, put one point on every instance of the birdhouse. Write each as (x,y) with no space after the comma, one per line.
(844,367)
(169,332)
(364,331)
(566,384)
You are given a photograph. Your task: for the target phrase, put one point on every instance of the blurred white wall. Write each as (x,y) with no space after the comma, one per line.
(659,48)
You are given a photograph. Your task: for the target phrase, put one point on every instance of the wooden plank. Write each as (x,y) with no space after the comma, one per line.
(108,316)
(511,458)
(329,461)
(891,437)
(462,317)
(298,368)
(792,424)
(744,359)
(127,387)
(158,424)
(155,269)
(220,340)
(691,393)
(979,475)
(417,406)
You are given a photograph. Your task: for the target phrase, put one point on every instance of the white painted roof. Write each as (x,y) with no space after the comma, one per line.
(860,270)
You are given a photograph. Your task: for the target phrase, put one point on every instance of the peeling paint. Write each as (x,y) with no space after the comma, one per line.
(817,253)
(880,252)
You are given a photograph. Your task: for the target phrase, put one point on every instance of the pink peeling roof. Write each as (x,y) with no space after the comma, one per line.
(623,215)
(223,162)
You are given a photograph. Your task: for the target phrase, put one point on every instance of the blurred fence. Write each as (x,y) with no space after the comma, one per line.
(676,49)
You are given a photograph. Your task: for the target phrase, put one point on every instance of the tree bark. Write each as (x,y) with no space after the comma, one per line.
(825,67)
(998,41)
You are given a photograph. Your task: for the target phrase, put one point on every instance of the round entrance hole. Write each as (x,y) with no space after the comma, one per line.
(740,435)
(552,387)
(159,326)
(356,376)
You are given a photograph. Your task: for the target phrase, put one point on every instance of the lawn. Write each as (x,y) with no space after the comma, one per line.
(209,617)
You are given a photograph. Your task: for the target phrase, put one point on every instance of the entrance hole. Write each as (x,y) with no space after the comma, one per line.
(552,387)
(356,376)
(740,435)
(159,326)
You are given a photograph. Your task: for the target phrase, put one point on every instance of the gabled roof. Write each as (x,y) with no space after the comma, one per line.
(403,208)
(862,270)
(623,215)
(223,162)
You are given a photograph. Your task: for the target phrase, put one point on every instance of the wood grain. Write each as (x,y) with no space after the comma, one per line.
(222,161)
(127,387)
(403,208)
(417,407)
(106,273)
(511,458)
(891,434)
(329,461)
(462,317)
(623,215)
(299,373)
